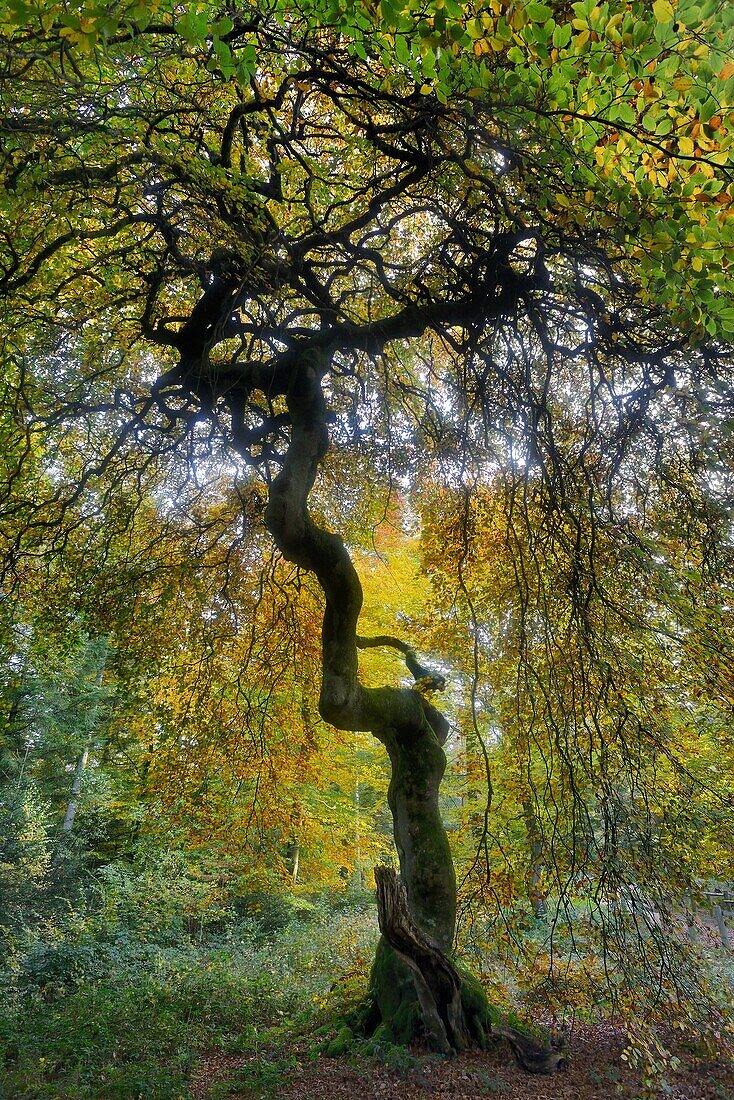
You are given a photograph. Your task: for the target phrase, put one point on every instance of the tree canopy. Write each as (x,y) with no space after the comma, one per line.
(267,269)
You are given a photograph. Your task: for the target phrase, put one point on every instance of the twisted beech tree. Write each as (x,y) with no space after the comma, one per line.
(440,239)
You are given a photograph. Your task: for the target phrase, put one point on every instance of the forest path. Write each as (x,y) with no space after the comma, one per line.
(596,1072)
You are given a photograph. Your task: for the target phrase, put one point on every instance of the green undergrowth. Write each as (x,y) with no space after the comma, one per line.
(93,1015)
(90,1011)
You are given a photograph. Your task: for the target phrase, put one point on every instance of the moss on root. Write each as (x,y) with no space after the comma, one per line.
(341,1044)
(481,1017)
(391,982)
(392,1015)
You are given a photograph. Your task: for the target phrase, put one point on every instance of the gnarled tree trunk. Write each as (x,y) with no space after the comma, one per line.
(436,980)
(416,989)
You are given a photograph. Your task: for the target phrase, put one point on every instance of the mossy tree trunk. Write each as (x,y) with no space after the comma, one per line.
(411,728)
(427,873)
(436,980)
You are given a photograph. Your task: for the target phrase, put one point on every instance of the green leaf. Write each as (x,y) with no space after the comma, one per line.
(561,36)
(641,32)
(708,109)
(623,112)
(538,12)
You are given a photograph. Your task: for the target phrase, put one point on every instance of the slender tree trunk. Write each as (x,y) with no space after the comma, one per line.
(536,895)
(76,786)
(83,758)
(357,874)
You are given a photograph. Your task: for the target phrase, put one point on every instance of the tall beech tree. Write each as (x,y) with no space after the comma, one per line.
(422,240)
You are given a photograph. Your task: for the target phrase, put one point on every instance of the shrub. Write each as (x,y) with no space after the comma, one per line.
(101,1012)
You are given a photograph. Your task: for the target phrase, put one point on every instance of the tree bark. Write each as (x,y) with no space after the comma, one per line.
(536,895)
(437,981)
(418,983)
(83,758)
(76,787)
(412,730)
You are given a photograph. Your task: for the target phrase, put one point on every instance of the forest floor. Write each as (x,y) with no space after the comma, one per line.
(596,1071)
(241,1015)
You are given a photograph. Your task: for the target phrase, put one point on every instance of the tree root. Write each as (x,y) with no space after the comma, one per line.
(530,1053)
(451,1006)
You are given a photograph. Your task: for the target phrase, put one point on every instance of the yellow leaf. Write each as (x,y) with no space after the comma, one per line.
(663,11)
